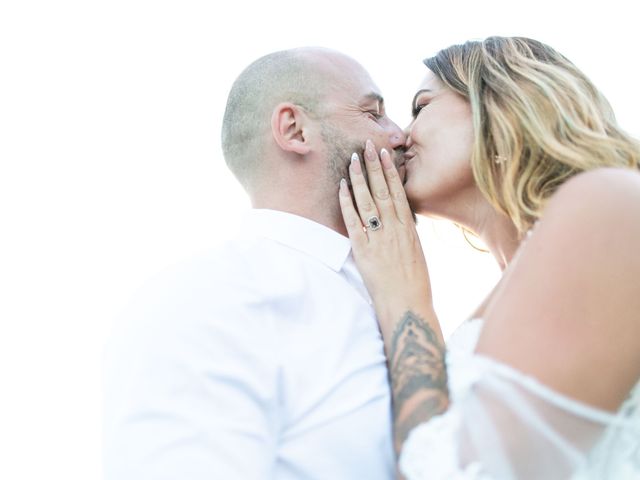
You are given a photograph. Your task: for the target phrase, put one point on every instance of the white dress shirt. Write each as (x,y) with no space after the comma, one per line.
(261,360)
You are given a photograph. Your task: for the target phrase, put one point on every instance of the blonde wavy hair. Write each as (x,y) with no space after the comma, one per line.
(538,121)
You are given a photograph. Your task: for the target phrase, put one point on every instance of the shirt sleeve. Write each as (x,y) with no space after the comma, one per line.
(191,393)
(502,424)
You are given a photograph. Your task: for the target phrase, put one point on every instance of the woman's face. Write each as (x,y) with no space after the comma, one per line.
(439,143)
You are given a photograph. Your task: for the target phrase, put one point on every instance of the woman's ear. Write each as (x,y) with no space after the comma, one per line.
(288,126)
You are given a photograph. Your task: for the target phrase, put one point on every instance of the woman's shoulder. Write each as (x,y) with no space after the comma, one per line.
(595,214)
(607,195)
(570,301)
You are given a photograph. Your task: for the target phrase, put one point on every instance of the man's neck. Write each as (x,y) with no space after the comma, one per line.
(327,217)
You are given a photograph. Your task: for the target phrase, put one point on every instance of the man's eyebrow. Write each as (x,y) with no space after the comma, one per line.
(373,96)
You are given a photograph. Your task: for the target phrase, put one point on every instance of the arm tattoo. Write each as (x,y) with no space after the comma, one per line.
(418,375)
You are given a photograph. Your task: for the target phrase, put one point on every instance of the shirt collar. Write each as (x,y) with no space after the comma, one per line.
(299,233)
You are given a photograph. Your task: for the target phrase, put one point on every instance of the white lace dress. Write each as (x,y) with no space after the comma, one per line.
(503,424)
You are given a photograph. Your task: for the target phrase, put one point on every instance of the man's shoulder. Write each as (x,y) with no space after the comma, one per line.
(228,279)
(208,290)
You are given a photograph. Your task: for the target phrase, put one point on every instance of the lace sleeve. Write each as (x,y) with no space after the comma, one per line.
(502,424)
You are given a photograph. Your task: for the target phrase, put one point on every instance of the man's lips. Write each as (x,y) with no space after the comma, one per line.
(398,159)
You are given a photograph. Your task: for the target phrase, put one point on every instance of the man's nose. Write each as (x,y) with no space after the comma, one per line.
(398,138)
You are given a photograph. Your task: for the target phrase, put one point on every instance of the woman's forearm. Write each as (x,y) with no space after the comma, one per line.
(416,357)
(394,269)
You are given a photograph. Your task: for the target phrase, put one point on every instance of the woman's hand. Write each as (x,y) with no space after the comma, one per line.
(387,249)
(389,256)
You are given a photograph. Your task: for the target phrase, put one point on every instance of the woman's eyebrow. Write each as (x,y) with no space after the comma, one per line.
(418,93)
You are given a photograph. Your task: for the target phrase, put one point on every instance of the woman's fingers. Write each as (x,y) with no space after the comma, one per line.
(366,206)
(384,198)
(396,189)
(350,215)
(377,183)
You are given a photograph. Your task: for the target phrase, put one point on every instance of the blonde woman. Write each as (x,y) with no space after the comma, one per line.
(511,141)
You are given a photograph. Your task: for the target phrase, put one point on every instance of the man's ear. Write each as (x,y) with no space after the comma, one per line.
(289,128)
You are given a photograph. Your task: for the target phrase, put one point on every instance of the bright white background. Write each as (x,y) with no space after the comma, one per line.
(111,166)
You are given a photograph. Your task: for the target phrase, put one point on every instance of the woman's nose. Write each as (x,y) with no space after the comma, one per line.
(408,140)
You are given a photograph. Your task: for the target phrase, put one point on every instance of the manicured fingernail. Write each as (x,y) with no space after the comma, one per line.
(370,151)
(344,190)
(385,159)
(355,163)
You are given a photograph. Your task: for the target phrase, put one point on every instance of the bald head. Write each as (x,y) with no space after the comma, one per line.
(300,76)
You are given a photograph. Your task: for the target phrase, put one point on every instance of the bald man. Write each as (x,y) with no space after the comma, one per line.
(263,359)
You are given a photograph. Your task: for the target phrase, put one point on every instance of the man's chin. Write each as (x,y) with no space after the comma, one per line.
(402,172)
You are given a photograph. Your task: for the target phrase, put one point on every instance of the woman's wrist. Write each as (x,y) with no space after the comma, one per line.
(390,314)
(415,353)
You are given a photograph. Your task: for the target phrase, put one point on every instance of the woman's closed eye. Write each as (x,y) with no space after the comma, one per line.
(417,108)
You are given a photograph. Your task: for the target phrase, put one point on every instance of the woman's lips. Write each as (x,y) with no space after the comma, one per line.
(407,157)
